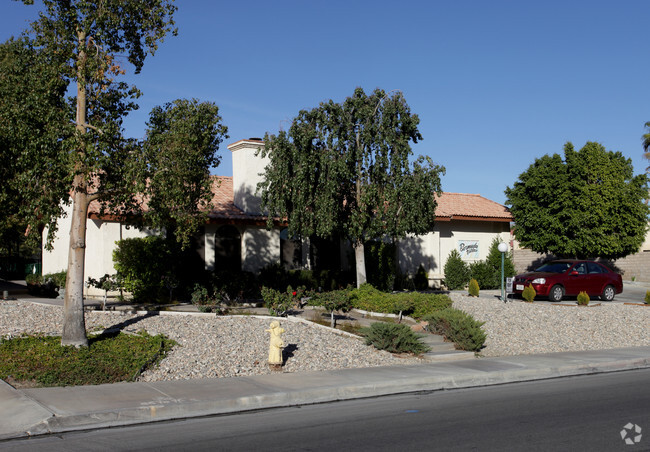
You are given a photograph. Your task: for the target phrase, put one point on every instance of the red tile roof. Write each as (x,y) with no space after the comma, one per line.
(456,206)
(463,206)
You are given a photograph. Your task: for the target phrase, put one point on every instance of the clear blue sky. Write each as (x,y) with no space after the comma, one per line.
(495,83)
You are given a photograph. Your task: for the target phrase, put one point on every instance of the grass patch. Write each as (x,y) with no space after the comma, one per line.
(110,358)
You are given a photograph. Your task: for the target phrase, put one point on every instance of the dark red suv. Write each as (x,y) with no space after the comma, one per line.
(556,279)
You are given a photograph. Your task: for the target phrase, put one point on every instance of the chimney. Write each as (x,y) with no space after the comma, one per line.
(247,171)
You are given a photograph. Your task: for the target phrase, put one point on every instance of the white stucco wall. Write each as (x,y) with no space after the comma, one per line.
(247,170)
(100,243)
(431,250)
(260,247)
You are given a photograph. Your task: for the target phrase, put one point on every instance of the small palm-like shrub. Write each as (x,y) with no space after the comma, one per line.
(583,298)
(458,327)
(473,288)
(647,297)
(529,293)
(394,338)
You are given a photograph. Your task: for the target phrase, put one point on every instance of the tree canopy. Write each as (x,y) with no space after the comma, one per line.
(34,119)
(587,205)
(87,45)
(343,170)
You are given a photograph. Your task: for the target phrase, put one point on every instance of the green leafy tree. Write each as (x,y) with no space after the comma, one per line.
(588,204)
(343,170)
(33,123)
(95,40)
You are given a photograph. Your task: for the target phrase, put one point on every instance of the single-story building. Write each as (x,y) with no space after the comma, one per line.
(236,235)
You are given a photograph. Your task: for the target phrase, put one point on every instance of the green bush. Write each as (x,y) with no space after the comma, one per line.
(279,303)
(421,279)
(529,293)
(33,278)
(392,337)
(204,300)
(485,275)
(456,271)
(488,272)
(458,327)
(583,298)
(415,304)
(647,297)
(57,280)
(46,285)
(473,288)
(141,263)
(333,301)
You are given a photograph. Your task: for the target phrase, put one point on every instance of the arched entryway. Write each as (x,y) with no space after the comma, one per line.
(227,248)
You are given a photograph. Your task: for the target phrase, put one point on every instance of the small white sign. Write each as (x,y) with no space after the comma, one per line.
(509,283)
(468,249)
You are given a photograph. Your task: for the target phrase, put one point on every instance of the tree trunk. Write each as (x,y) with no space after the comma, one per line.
(360,261)
(74,325)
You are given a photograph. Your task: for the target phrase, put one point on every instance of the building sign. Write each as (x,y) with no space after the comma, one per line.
(468,249)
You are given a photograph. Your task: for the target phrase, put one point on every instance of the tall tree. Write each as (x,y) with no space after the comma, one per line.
(588,204)
(343,170)
(95,38)
(34,117)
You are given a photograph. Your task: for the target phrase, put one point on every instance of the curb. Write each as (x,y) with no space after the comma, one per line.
(280,391)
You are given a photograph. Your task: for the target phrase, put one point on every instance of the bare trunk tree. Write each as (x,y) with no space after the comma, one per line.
(74,325)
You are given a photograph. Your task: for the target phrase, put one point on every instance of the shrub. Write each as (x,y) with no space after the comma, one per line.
(421,279)
(416,304)
(107,283)
(393,337)
(529,293)
(336,300)
(456,271)
(473,288)
(583,298)
(459,327)
(484,274)
(279,303)
(647,297)
(47,285)
(142,263)
(57,280)
(204,300)
(33,278)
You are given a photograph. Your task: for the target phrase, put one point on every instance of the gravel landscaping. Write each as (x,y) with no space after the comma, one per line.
(212,346)
(520,328)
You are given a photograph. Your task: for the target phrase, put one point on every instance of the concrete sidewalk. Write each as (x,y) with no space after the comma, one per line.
(54,410)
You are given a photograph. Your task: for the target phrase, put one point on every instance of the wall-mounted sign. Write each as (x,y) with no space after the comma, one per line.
(468,249)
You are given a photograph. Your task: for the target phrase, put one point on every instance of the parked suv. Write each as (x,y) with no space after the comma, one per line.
(560,278)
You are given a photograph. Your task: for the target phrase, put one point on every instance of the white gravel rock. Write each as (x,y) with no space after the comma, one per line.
(211,346)
(520,328)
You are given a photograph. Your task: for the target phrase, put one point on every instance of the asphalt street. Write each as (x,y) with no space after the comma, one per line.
(575,413)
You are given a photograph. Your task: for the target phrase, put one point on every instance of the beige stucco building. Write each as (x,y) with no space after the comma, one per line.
(236,235)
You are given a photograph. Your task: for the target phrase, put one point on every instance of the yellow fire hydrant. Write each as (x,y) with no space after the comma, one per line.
(275,345)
